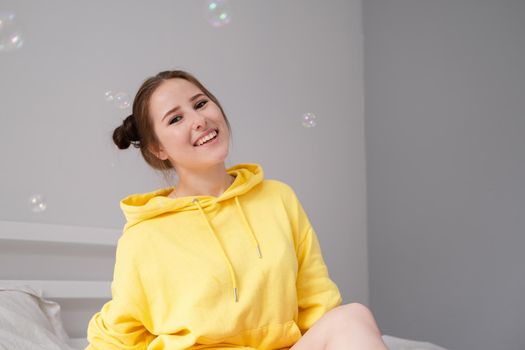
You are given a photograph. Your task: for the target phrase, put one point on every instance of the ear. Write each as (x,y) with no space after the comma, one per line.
(159,152)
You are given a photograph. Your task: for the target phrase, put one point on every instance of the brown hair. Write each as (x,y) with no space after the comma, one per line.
(137,129)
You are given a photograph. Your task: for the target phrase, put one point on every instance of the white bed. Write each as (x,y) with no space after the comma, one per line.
(53,278)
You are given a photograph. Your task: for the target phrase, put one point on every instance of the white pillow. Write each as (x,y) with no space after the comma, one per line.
(28,321)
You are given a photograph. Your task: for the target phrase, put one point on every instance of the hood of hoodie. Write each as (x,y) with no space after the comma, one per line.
(140,207)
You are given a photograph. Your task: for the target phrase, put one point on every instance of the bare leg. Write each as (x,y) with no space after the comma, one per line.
(350,326)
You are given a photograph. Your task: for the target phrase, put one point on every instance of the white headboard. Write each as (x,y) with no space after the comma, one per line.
(71,265)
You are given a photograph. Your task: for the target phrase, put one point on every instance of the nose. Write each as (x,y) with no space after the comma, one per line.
(199,122)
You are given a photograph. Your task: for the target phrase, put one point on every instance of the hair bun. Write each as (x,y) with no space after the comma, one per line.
(126,134)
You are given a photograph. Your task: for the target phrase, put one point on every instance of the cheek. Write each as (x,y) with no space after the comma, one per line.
(170,138)
(216,112)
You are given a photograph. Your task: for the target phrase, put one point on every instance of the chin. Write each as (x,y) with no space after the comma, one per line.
(217,156)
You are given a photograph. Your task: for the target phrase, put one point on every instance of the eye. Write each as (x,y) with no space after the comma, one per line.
(201,104)
(174,119)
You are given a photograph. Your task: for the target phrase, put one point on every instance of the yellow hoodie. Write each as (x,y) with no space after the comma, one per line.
(240,271)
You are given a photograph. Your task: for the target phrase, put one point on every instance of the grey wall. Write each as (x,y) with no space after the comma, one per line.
(445,145)
(275,61)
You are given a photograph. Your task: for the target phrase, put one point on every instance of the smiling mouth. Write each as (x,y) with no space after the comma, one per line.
(200,143)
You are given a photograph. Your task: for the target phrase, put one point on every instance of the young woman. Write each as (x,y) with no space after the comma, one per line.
(226,259)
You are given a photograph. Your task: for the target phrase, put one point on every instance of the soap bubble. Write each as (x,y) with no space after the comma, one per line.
(37,203)
(108,96)
(10,36)
(122,100)
(308,120)
(218,12)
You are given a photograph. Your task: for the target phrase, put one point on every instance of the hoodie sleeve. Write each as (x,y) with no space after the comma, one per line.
(316,292)
(120,323)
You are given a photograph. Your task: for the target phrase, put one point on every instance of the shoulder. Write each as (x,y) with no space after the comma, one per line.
(276,185)
(133,243)
(280,189)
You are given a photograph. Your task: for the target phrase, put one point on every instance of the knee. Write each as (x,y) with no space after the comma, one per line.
(353,314)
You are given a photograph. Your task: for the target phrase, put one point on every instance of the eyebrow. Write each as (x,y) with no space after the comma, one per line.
(177,107)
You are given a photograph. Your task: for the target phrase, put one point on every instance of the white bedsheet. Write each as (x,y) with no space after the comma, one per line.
(394,343)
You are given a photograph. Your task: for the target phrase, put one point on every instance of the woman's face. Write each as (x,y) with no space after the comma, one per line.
(183,118)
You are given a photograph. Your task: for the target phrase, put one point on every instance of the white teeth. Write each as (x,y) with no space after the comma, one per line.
(206,138)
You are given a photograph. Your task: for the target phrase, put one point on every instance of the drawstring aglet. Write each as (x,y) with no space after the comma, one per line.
(259,251)
(235,294)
